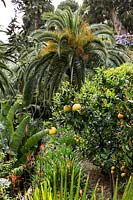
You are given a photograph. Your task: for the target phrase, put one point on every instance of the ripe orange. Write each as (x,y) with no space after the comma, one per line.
(52,131)
(76,107)
(120,116)
(122,168)
(123,174)
(113,168)
(67,108)
(112,171)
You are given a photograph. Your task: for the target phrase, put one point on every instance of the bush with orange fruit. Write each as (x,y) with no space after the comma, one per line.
(105,119)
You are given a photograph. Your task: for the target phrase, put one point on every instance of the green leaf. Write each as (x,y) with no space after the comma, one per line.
(34,139)
(18,135)
(116,190)
(10,118)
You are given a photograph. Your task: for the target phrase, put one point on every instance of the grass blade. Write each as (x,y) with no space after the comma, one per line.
(72,185)
(116,190)
(78,187)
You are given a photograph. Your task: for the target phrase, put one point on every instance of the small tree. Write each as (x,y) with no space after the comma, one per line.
(117,12)
(71,3)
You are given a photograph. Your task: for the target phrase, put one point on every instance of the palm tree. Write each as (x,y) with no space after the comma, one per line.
(66,48)
(4,70)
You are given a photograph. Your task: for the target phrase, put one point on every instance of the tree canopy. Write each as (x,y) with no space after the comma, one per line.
(33,10)
(71,3)
(116,12)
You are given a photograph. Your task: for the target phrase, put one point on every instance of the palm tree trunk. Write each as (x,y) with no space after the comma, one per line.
(36,19)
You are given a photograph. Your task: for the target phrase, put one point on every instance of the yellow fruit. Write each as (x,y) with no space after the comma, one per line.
(102,164)
(52,131)
(67,108)
(112,172)
(113,168)
(123,174)
(122,168)
(76,107)
(120,116)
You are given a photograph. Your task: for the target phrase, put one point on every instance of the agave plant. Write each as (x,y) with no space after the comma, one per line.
(68,47)
(16,138)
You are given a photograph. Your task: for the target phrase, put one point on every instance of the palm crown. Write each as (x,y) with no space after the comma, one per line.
(66,48)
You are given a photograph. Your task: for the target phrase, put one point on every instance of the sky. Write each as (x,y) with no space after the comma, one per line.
(6,14)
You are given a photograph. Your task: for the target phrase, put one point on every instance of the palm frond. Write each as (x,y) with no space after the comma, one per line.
(96,27)
(5,86)
(2,87)
(4,66)
(69,47)
(42,36)
(31,76)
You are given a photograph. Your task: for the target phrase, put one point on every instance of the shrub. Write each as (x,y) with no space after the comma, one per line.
(107,138)
(56,157)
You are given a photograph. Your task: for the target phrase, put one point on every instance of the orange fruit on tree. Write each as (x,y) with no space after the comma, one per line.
(113,168)
(76,107)
(112,171)
(120,116)
(123,174)
(52,131)
(122,168)
(67,108)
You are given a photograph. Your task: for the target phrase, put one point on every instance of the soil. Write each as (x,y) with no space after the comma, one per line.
(103,180)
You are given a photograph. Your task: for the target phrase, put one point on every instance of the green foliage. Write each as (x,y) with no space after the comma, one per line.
(6,166)
(127,194)
(32,12)
(13,135)
(16,139)
(128,190)
(5,71)
(106,138)
(68,51)
(71,3)
(34,140)
(48,192)
(17,136)
(100,11)
(54,159)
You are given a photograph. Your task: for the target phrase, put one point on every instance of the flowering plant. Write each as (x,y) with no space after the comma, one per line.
(125,39)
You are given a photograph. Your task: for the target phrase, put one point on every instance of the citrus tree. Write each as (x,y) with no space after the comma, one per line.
(101,117)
